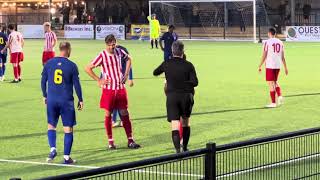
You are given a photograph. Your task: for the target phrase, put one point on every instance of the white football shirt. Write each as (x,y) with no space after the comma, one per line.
(274,48)
(15,39)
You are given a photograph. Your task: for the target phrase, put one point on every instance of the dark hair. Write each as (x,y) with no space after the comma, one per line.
(177,48)
(11,27)
(110,38)
(64,46)
(272,31)
(171,26)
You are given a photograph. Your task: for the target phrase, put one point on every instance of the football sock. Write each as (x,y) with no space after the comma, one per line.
(66,157)
(68,140)
(19,71)
(108,126)
(52,136)
(176,140)
(278,90)
(273,96)
(15,72)
(186,136)
(1,71)
(114,115)
(156,41)
(151,43)
(180,130)
(127,127)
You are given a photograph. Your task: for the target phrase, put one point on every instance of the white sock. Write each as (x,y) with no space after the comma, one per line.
(66,157)
(52,149)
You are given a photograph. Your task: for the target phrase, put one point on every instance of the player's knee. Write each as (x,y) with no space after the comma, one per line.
(108,114)
(185,122)
(124,112)
(51,127)
(175,125)
(68,129)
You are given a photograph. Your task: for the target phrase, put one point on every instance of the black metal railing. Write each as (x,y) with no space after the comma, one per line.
(294,155)
(187,165)
(286,156)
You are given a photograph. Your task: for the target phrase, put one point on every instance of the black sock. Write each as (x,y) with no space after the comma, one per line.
(186,136)
(156,43)
(176,140)
(151,43)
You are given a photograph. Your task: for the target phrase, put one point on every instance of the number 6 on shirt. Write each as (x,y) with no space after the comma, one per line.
(57,76)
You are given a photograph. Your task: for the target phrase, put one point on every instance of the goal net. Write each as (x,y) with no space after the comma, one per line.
(236,20)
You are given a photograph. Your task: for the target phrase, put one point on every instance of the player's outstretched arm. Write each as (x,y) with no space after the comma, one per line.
(159,70)
(44,80)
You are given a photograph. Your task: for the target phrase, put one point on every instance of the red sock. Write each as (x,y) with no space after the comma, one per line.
(15,72)
(273,96)
(108,126)
(278,90)
(19,71)
(180,130)
(127,127)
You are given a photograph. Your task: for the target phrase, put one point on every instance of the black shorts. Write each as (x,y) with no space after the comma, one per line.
(179,105)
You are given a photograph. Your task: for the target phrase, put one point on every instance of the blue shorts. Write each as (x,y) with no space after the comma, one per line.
(64,109)
(3,58)
(167,55)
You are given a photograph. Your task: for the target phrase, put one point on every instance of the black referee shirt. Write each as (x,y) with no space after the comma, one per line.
(180,75)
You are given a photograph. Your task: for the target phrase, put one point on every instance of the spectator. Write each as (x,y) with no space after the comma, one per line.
(242,21)
(115,13)
(65,12)
(108,14)
(306,12)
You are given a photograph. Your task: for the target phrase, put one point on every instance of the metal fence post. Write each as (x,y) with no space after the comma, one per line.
(94,30)
(210,162)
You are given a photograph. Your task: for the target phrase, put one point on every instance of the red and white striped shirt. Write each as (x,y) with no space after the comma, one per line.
(111,67)
(50,37)
(15,39)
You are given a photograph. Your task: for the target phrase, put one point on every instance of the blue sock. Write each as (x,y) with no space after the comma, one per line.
(68,140)
(114,115)
(3,69)
(52,136)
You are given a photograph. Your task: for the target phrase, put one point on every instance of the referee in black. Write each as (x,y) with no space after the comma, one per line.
(181,79)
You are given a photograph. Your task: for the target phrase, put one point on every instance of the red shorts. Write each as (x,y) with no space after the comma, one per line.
(16,57)
(114,99)
(46,55)
(272,74)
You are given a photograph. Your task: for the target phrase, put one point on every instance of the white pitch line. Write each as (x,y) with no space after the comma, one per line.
(168,173)
(48,164)
(268,166)
(95,167)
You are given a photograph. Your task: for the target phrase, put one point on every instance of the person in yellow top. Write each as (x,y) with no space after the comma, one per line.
(155,30)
